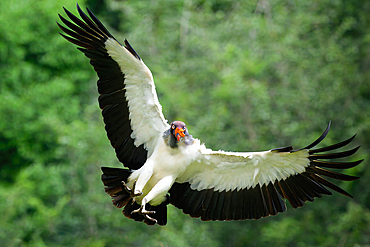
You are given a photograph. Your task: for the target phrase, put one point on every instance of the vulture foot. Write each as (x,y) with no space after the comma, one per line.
(145,213)
(133,193)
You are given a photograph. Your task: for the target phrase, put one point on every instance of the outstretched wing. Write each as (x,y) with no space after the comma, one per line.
(236,186)
(132,114)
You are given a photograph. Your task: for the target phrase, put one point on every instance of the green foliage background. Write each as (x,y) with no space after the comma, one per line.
(244,75)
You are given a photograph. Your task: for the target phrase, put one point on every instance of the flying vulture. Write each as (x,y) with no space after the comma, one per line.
(165,164)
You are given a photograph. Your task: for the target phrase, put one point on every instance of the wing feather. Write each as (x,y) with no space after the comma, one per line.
(132,114)
(235,186)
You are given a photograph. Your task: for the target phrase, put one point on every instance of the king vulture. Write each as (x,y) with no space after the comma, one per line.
(165,164)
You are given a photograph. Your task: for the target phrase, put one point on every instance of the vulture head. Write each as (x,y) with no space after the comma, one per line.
(178,130)
(178,133)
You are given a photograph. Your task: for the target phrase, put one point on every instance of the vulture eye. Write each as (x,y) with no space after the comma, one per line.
(173,127)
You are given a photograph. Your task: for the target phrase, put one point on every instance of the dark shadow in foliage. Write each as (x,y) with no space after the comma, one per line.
(10,160)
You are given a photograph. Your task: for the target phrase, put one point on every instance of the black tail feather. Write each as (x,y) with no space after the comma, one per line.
(160,214)
(112,179)
(131,206)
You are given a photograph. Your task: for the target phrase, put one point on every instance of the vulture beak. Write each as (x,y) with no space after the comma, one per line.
(179,132)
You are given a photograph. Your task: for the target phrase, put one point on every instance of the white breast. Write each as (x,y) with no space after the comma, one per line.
(173,161)
(167,161)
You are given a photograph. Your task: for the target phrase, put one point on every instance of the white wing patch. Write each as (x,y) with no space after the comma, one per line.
(147,120)
(221,170)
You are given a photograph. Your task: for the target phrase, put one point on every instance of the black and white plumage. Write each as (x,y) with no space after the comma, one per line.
(167,165)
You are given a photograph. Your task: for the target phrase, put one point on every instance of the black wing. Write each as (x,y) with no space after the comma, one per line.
(118,110)
(265,199)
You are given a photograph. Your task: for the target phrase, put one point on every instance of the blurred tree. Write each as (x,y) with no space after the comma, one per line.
(245,76)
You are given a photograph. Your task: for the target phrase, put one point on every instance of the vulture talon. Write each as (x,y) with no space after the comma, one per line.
(131,191)
(128,189)
(144,212)
(150,218)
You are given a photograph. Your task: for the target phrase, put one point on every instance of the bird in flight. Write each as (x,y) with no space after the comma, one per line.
(165,164)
